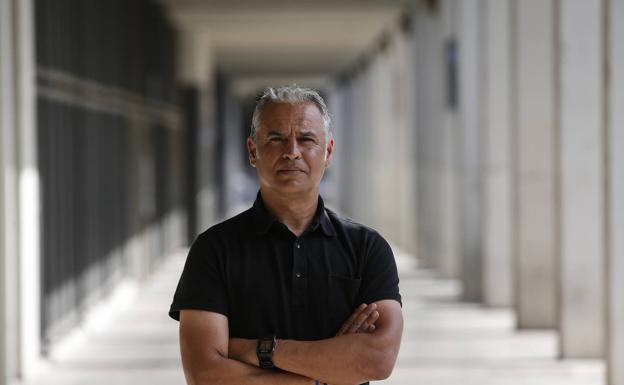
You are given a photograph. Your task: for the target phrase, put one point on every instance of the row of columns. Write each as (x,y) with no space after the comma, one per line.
(516,127)
(545,127)
(20,213)
(196,77)
(373,110)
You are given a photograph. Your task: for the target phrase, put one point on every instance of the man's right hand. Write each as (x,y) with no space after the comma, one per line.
(361,321)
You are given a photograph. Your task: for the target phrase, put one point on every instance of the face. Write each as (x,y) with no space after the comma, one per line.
(290,152)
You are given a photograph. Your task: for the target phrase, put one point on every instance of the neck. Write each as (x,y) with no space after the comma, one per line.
(297,213)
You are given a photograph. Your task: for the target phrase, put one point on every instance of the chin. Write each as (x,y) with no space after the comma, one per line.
(291,188)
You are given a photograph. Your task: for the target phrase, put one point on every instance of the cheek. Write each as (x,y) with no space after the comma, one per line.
(318,159)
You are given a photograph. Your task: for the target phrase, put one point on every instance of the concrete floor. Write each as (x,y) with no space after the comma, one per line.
(445,342)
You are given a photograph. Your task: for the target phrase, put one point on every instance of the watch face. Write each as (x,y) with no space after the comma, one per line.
(265,346)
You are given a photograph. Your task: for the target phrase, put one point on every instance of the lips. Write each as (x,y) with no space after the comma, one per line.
(290,169)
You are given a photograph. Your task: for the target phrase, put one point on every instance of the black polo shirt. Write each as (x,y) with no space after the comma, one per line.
(266,280)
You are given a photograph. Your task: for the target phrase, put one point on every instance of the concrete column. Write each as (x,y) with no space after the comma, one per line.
(581,317)
(395,142)
(381,156)
(345,129)
(8,200)
(470,88)
(429,106)
(19,186)
(449,258)
(425,134)
(404,102)
(364,144)
(363,111)
(535,155)
(497,172)
(19,195)
(423,146)
(28,191)
(352,141)
(233,158)
(331,186)
(339,173)
(615,205)
(196,71)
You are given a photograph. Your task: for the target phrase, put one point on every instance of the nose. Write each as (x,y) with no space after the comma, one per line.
(291,151)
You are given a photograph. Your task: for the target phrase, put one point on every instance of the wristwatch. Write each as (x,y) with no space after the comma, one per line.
(264,350)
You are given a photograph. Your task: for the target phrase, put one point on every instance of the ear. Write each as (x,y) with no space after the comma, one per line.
(252,151)
(329,151)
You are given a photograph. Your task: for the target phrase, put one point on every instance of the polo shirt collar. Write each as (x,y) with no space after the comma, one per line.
(263,220)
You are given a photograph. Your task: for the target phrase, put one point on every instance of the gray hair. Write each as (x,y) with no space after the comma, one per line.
(290,94)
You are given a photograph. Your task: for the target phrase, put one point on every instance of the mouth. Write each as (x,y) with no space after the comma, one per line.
(290,170)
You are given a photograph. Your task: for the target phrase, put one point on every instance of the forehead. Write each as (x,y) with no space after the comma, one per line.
(287,116)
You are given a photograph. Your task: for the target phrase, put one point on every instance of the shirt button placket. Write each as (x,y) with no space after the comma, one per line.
(299,272)
(298,260)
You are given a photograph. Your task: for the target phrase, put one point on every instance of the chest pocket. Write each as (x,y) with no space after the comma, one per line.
(342,294)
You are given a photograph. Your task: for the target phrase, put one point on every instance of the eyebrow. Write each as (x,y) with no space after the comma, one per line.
(303,133)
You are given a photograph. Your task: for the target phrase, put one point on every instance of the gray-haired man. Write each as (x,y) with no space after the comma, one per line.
(288,292)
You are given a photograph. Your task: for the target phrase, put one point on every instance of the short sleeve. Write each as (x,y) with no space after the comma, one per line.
(202,284)
(380,279)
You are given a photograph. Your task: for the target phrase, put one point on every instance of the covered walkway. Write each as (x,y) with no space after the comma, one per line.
(446,341)
(485,138)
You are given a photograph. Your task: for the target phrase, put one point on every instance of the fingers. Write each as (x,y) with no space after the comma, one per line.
(345,326)
(368,326)
(370,321)
(362,319)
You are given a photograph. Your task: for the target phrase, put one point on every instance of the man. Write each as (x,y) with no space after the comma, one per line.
(287,292)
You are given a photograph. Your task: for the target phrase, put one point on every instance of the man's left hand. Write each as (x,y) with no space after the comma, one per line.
(361,321)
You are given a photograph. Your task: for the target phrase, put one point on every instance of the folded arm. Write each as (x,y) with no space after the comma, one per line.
(204,349)
(348,358)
